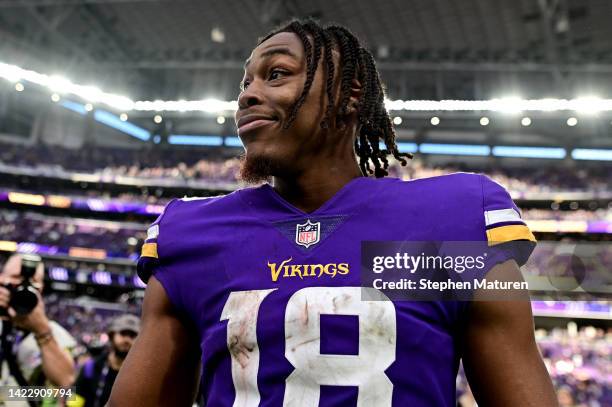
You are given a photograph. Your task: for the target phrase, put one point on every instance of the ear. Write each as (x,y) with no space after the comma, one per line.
(355,93)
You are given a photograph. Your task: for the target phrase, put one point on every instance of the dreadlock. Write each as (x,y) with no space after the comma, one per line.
(355,62)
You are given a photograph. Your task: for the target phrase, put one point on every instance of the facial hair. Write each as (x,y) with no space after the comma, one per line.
(121,354)
(257,169)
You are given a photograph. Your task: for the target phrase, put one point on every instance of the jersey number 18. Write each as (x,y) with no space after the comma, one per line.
(377,338)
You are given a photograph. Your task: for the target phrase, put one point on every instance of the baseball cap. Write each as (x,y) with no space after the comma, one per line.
(125,322)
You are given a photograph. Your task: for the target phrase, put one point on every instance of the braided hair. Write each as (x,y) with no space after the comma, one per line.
(355,62)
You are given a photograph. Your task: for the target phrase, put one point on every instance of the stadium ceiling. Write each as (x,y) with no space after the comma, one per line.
(426,49)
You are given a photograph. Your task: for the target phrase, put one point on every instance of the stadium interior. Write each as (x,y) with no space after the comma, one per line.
(111,108)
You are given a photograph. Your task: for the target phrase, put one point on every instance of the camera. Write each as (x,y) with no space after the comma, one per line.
(24,295)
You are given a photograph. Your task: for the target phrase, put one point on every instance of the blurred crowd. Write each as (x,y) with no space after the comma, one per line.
(579,363)
(120,239)
(182,164)
(124,239)
(578,214)
(589,263)
(579,360)
(176,163)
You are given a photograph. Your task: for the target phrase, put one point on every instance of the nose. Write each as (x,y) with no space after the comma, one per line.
(249,97)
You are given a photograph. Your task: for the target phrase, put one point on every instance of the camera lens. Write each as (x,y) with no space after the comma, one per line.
(29,263)
(24,299)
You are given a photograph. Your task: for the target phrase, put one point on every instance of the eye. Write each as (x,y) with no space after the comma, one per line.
(276,73)
(244,84)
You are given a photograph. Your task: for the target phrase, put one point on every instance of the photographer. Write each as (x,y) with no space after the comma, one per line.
(96,379)
(35,351)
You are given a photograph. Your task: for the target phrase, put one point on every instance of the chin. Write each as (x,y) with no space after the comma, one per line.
(257,167)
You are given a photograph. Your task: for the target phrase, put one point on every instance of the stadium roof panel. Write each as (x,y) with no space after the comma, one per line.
(171,50)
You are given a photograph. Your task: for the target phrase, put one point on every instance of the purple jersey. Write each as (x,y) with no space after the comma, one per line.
(275,292)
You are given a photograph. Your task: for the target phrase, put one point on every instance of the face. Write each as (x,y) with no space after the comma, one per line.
(273,80)
(122,342)
(11,273)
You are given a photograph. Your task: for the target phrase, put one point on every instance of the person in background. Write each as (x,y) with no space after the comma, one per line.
(35,350)
(97,376)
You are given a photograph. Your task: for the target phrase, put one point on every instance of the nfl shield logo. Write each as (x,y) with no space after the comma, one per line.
(307,234)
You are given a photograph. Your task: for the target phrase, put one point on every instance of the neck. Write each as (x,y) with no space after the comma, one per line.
(318,182)
(114,361)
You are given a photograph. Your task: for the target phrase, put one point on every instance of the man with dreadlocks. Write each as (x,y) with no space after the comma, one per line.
(255,296)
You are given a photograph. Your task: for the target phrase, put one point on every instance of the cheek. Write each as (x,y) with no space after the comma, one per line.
(286,98)
(312,111)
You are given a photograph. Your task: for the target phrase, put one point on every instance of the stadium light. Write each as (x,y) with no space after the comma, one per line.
(529,152)
(526,121)
(93,94)
(75,107)
(512,104)
(88,107)
(397,120)
(220,119)
(207,105)
(19,87)
(588,105)
(592,154)
(117,123)
(11,73)
(157,119)
(435,121)
(55,97)
(123,117)
(217,35)
(455,149)
(194,140)
(394,104)
(232,142)
(404,147)
(484,121)
(59,84)
(572,121)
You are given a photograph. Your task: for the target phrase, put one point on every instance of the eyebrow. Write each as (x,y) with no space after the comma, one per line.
(274,51)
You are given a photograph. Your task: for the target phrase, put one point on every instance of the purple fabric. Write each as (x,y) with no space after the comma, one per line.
(212,247)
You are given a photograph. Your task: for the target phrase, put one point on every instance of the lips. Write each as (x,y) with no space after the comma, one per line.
(252,121)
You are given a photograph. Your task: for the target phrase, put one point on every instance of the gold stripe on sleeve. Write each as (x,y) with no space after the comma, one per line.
(508,233)
(149,250)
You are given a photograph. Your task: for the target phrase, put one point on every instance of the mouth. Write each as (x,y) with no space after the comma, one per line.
(254,123)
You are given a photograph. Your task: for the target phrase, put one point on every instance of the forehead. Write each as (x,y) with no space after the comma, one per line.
(281,41)
(283,38)
(285,41)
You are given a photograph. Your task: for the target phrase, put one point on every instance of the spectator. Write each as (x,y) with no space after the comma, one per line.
(97,376)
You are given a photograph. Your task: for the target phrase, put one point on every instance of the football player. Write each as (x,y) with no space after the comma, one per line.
(256,296)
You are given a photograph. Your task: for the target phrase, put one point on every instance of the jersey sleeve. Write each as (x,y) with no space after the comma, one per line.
(149,261)
(156,258)
(507,234)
